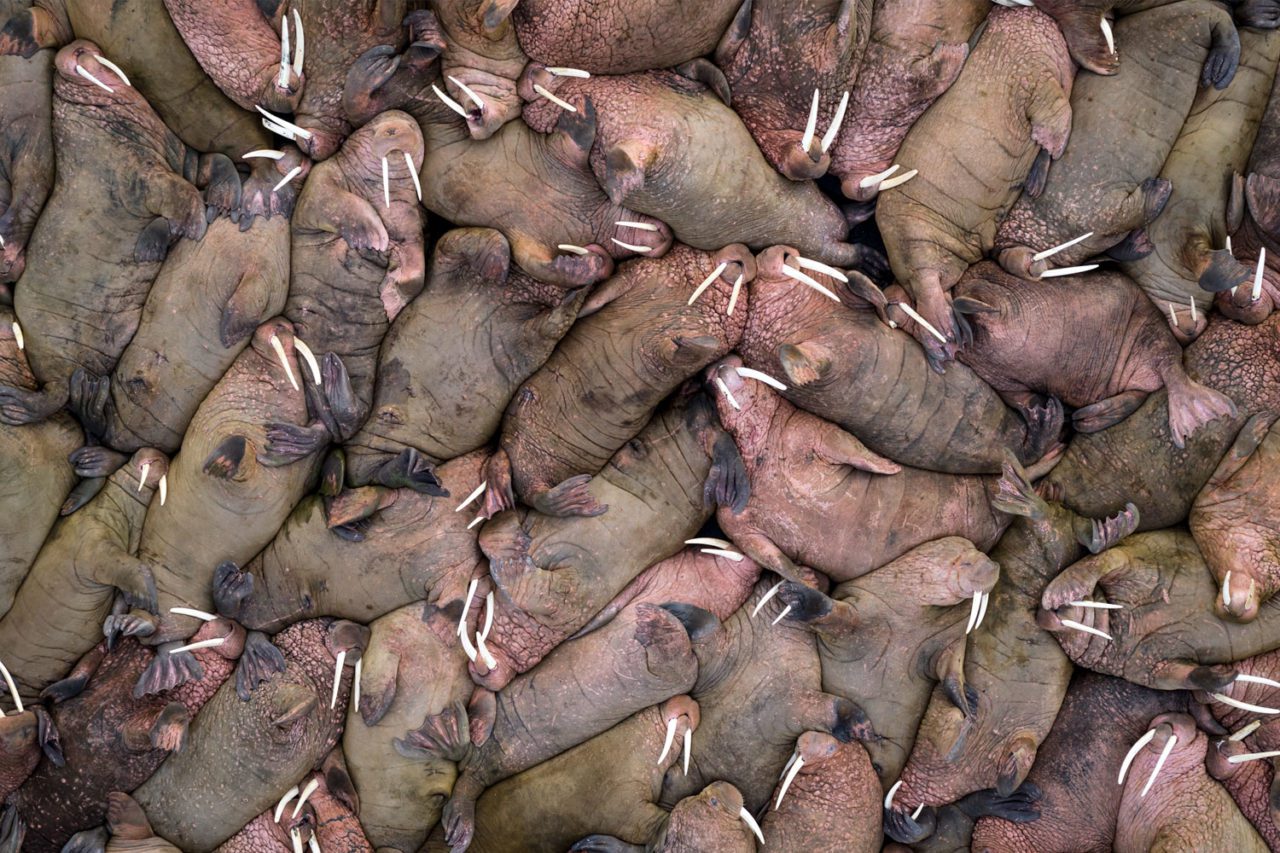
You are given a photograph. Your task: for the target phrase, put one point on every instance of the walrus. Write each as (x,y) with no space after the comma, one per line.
(482,61)
(26,737)
(26,164)
(827,800)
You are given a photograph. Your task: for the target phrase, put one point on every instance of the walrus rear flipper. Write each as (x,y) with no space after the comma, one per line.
(168,669)
(1192,405)
(411,470)
(88,402)
(153,242)
(84,491)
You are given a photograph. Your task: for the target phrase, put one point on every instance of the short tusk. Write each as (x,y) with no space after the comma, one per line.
(296,838)
(203,644)
(293,173)
(355,683)
(973,612)
(780,616)
(1226,589)
(1109,36)
(982,612)
(1257,275)
(569,247)
(263,154)
(888,798)
(562,104)
(386,184)
(479,518)
(84,72)
(773,590)
(1048,253)
(706,282)
(284,359)
(1245,732)
(164,488)
(688,749)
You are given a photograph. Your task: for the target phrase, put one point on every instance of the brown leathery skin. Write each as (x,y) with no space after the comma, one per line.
(833,802)
(129,829)
(26,165)
(22,737)
(482,53)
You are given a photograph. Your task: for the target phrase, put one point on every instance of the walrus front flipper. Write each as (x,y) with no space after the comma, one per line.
(231,587)
(169,731)
(604,844)
(258,662)
(73,684)
(111,565)
(84,491)
(727,484)
(570,497)
(411,470)
(287,443)
(221,182)
(1134,247)
(13,829)
(1107,412)
(153,242)
(168,669)
(95,461)
(88,841)
(132,624)
(356,505)
(1224,272)
(1018,807)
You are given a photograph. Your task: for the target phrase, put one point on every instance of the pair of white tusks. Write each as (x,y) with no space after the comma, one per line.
(1173,313)
(670,738)
(307,355)
(978,611)
(164,482)
(793,273)
(560,71)
(925,324)
(282,127)
(13,688)
(1068,271)
(1245,706)
(483,634)
(632,247)
(789,774)
(479,490)
(888,799)
(386,179)
(747,373)
(1133,753)
(884,181)
(284,48)
(811,127)
(17,335)
(203,644)
(764,599)
(102,60)
(1048,253)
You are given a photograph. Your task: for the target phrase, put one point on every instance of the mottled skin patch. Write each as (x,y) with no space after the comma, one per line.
(1037,329)
(114,740)
(833,802)
(25,739)
(974,149)
(26,158)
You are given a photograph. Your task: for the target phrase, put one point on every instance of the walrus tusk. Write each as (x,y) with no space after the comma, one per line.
(282,79)
(643,226)
(306,792)
(1245,732)
(1192,300)
(786,783)
(1048,253)
(706,282)
(812,124)
(1257,679)
(709,540)
(115,68)
(309,357)
(413,174)
(1133,753)
(790,761)
(569,247)
(899,180)
(733,297)
(1257,275)
(471,497)
(300,51)
(982,612)
(263,153)
(288,370)
(915,814)
(288,795)
(203,644)
(1173,315)
(562,104)
(830,136)
(17,336)
(191,611)
(765,598)
(1107,34)
(720,552)
(142,478)
(469,92)
(1253,756)
(468,647)
(666,744)
(893,789)
(164,488)
(973,611)
(928,327)
(489,660)
(475,521)
(449,102)
(1164,754)
(632,246)
(488,617)
(85,73)
(293,173)
(287,125)
(313,843)
(792,272)
(561,71)
(466,607)
(1243,706)
(296,838)
(688,749)
(13,688)
(1097,605)
(1071,623)
(878,176)
(778,618)
(819,266)
(1068,271)
(386,184)
(724,389)
(752,373)
(337,679)
(1226,589)
(751,823)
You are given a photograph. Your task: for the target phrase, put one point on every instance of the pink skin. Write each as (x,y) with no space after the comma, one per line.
(833,801)
(481,53)
(1249,783)
(329,814)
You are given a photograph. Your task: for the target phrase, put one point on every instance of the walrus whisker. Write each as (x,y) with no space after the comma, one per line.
(1226,589)
(1164,755)
(293,173)
(982,611)
(643,226)
(306,792)
(284,359)
(898,180)
(1243,706)
(466,606)
(1108,35)
(449,102)
(721,552)
(632,247)
(562,71)
(86,74)
(263,153)
(287,125)
(878,176)
(733,296)
(1133,753)
(562,104)
(1048,253)
(765,598)
(1257,679)
(296,838)
(142,477)
(13,688)
(706,282)
(413,175)
(893,789)
(793,273)
(1257,275)
(724,389)
(309,357)
(928,327)
(830,136)
(282,79)
(751,823)
(1097,605)
(709,540)
(1088,629)
(1068,271)
(288,795)
(191,611)
(973,611)
(475,521)
(301,49)
(17,336)
(488,617)
(670,739)
(102,60)
(1245,732)
(778,618)
(337,679)
(819,266)
(164,488)
(812,125)
(489,660)
(469,92)
(386,183)
(786,783)
(479,490)
(202,644)
(355,682)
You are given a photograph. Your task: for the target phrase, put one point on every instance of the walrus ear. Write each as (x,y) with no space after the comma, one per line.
(225,460)
(291,703)
(804,363)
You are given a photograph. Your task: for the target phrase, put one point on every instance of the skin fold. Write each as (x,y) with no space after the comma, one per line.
(1106,182)
(88,557)
(491,326)
(25,739)
(975,148)
(130,830)
(832,802)
(636,341)
(845,365)
(242,756)
(1130,353)
(26,164)
(481,53)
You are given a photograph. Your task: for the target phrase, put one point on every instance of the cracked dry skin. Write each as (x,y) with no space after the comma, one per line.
(414,670)
(1185,809)
(621,36)
(551,575)
(23,740)
(356,260)
(26,159)
(668,147)
(1169,634)
(225,499)
(1076,769)
(1137,460)
(1124,127)
(636,341)
(240,756)
(1033,342)
(914,53)
(490,327)
(88,557)
(844,364)
(974,149)
(833,802)
(481,52)
(112,739)
(1189,261)
(37,473)
(805,471)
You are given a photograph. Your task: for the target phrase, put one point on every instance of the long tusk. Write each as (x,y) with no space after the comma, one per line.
(466,607)
(282,79)
(562,104)
(116,68)
(287,125)
(733,297)
(812,125)
(878,176)
(263,153)
(13,688)
(1253,756)
(709,540)
(467,647)
(413,174)
(899,180)
(449,102)
(642,226)
(1048,253)
(765,598)
(724,389)
(279,348)
(337,679)
(1257,679)
(632,247)
(301,50)
(1071,623)
(666,744)
(313,843)
(752,373)
(751,823)
(830,136)
(1107,34)
(488,617)
(888,798)
(469,92)
(561,71)
(569,247)
(355,683)
(786,783)
(479,490)
(203,644)
(84,72)
(293,173)
(1068,271)
(973,611)
(982,612)
(489,660)
(688,749)
(191,611)
(1164,754)
(1097,605)
(306,792)
(1243,706)
(309,357)
(793,273)
(1133,753)
(720,552)
(819,266)
(928,327)
(1245,732)
(386,183)
(17,335)
(296,838)
(1257,275)
(1226,589)
(288,795)
(142,478)
(164,488)
(778,618)
(706,282)
(790,761)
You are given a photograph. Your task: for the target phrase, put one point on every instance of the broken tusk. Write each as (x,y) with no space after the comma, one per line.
(1068,271)
(1245,732)
(191,611)
(899,180)
(706,282)
(982,612)
(293,173)
(561,71)
(807,139)
(973,611)
(1109,36)
(1253,756)
(355,683)
(17,335)
(1164,754)
(263,154)
(1047,253)
(1071,623)
(793,273)
(164,488)
(1133,753)
(569,247)
(337,679)
(1226,589)
(688,749)
(752,373)
(203,644)
(386,183)
(666,744)
(643,226)
(830,136)
(751,823)
(1257,275)
(449,102)
(142,478)
(469,92)
(488,616)
(306,792)
(562,104)
(479,490)
(1098,605)
(300,52)
(778,618)
(288,795)
(309,357)
(724,389)
(765,598)
(115,68)
(878,176)
(786,783)
(284,359)
(709,540)
(819,266)
(928,327)
(286,125)
(632,247)
(720,552)
(733,297)
(13,688)
(1243,706)
(413,175)
(84,72)
(1257,679)
(893,789)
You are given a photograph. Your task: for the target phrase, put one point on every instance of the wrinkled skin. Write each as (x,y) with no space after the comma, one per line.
(481,52)
(241,756)
(637,340)
(1187,810)
(975,148)
(25,739)
(1189,261)
(537,189)
(666,145)
(1016,669)
(86,559)
(832,803)
(1169,634)
(414,671)
(113,738)
(888,637)
(490,327)
(416,547)
(1123,128)
(759,687)
(642,657)
(774,55)
(37,474)
(844,364)
(101,266)
(915,51)
(613,37)
(26,164)
(1076,768)
(551,575)
(805,471)
(200,314)
(130,830)
(1114,344)
(1234,519)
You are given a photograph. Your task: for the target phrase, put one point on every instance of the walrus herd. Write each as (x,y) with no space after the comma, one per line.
(639,426)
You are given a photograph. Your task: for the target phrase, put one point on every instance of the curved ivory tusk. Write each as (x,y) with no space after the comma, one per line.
(1164,754)
(1257,275)
(293,173)
(780,616)
(569,247)
(142,477)
(1109,36)
(191,611)
(1133,753)
(17,336)
(899,180)
(561,71)
(688,749)
(203,644)
(449,102)
(306,792)
(720,552)
(489,660)
(632,247)
(355,682)
(413,175)
(982,611)
(1257,679)
(928,327)
(830,136)
(1253,756)
(1068,271)
(300,52)
(284,359)
(869,180)
(84,72)
(309,357)
(488,617)
(973,612)
(670,739)
(706,282)
(288,795)
(1071,623)
(733,297)
(466,607)
(386,183)
(724,389)
(469,92)
(765,598)
(1048,253)
(812,125)
(1226,589)
(819,266)
(287,125)
(164,488)
(562,104)
(115,68)
(13,688)
(792,272)
(282,79)
(263,154)
(709,540)
(751,823)
(1245,732)
(337,679)
(1243,706)
(479,490)
(786,783)
(888,798)
(643,226)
